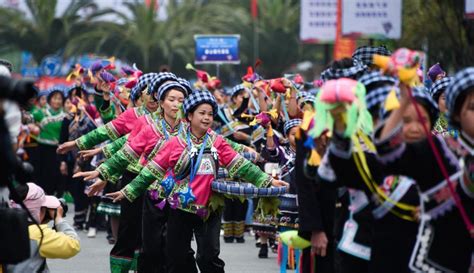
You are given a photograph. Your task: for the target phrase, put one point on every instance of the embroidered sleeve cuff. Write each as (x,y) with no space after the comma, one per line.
(340,146)
(130,155)
(391,147)
(267,182)
(112,133)
(105,173)
(110,149)
(139,185)
(240,167)
(107,151)
(80,143)
(92,138)
(130,197)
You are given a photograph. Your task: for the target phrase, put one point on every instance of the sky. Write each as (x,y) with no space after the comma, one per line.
(63,4)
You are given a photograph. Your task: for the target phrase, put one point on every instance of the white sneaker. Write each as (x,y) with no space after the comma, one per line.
(92,232)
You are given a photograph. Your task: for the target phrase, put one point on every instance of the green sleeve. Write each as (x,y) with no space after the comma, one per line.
(110,149)
(95,137)
(141,183)
(239,148)
(242,168)
(106,114)
(37,114)
(117,164)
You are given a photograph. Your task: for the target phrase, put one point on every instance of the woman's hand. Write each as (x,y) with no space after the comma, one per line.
(87,175)
(88,154)
(97,187)
(279,183)
(63,168)
(250,150)
(66,147)
(116,196)
(319,243)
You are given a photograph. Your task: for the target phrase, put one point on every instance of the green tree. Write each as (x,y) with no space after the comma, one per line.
(43,33)
(442,27)
(151,42)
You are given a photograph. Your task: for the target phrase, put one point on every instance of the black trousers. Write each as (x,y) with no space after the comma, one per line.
(352,264)
(129,231)
(179,233)
(234,215)
(76,187)
(34,158)
(47,169)
(234,210)
(152,257)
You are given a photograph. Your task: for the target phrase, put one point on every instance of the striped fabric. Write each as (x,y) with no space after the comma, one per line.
(439,86)
(354,72)
(461,82)
(246,189)
(366,53)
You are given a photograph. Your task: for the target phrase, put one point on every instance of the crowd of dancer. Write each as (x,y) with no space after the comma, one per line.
(368,169)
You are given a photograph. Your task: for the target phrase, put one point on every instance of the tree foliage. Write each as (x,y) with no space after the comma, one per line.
(442,27)
(152,42)
(43,33)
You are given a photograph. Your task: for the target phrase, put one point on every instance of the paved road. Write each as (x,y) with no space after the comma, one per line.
(93,257)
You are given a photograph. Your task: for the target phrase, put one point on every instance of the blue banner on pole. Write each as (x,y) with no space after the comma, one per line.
(216,49)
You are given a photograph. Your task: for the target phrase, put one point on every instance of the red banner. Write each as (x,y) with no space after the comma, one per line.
(254,8)
(343,47)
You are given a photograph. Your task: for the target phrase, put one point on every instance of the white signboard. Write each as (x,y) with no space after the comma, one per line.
(318,20)
(373,18)
(470,9)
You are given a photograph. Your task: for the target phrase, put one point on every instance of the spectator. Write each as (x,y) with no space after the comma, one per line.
(61,241)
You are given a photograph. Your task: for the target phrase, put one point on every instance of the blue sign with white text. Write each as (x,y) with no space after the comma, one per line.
(217,49)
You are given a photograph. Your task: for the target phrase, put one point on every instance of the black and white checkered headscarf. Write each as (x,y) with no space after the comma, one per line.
(366,53)
(198,98)
(305,97)
(142,83)
(377,96)
(186,84)
(236,89)
(354,72)
(461,82)
(290,124)
(160,79)
(439,86)
(376,77)
(167,86)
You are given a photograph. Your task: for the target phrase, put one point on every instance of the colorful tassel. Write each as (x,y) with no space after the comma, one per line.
(336,93)
(200,74)
(403,63)
(314,158)
(391,103)
(279,252)
(161,205)
(270,132)
(291,238)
